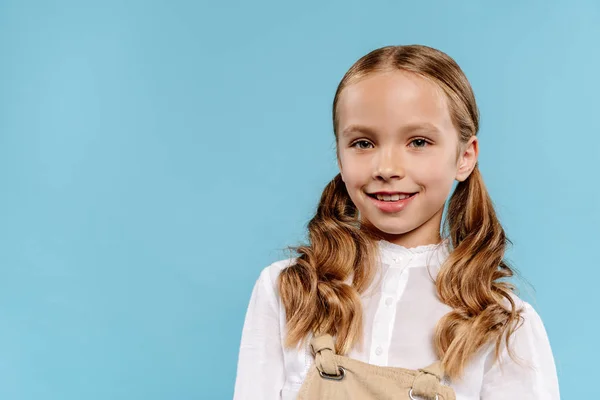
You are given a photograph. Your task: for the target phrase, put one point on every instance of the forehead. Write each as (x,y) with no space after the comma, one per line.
(391,100)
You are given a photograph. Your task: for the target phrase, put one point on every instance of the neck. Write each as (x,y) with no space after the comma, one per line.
(408,240)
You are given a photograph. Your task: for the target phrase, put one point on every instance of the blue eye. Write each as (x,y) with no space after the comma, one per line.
(360,141)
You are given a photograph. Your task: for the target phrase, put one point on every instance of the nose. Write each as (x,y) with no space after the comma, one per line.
(388,165)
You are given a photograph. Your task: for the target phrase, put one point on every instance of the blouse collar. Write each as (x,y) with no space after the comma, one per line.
(392,253)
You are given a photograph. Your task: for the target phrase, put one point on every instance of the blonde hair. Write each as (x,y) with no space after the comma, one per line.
(314,291)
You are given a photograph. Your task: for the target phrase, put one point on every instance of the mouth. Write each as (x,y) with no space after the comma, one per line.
(391,202)
(391,197)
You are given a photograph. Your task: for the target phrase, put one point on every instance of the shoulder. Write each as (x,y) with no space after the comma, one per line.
(528,313)
(270,273)
(530,336)
(532,329)
(268,277)
(528,370)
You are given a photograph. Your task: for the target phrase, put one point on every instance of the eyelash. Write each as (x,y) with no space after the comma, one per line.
(412,141)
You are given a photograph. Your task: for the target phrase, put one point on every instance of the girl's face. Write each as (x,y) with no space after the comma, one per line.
(395,135)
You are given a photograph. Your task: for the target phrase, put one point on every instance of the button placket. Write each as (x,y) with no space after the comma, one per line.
(384,317)
(393,285)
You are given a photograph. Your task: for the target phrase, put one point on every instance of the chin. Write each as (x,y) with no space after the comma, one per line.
(391,228)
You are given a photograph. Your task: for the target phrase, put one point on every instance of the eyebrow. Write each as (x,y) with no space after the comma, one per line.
(417,127)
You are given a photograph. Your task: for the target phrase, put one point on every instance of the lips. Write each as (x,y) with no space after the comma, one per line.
(391,206)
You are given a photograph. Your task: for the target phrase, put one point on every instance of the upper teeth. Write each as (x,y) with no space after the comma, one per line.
(393,197)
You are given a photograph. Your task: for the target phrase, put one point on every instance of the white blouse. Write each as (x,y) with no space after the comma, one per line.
(401,309)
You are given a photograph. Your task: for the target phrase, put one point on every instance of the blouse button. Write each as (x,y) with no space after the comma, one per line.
(378,350)
(388,301)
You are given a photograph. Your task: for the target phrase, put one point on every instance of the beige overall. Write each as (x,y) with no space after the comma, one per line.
(335,377)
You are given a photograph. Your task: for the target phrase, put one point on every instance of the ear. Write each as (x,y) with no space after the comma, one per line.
(467,159)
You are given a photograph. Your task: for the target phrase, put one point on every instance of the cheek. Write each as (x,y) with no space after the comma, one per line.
(435,176)
(355,174)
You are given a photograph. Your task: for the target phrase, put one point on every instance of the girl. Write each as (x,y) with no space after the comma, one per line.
(380,283)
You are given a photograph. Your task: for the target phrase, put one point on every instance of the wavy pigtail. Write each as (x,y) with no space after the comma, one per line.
(470,279)
(314,291)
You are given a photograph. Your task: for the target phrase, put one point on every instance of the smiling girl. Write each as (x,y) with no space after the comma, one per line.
(387,300)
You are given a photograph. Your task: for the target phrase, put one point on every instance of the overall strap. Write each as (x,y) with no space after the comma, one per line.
(427,382)
(323,349)
(434,369)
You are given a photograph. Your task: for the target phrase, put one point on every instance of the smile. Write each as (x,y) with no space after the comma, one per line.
(391,197)
(392,203)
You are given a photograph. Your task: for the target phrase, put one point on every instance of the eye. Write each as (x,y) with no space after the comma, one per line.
(419,143)
(360,141)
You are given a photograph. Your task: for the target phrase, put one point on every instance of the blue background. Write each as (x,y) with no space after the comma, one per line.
(156,155)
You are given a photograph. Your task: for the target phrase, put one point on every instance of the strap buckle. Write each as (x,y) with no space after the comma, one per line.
(339,377)
(410,394)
